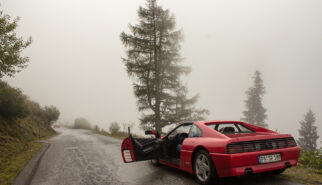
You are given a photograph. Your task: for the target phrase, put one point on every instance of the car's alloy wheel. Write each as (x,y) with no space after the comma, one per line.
(204,168)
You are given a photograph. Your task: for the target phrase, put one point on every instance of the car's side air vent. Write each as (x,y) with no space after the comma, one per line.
(259,145)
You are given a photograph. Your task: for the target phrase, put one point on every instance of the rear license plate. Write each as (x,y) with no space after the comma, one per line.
(269,158)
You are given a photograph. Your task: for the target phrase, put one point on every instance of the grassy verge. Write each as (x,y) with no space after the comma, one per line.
(302,175)
(17,146)
(14,158)
(119,135)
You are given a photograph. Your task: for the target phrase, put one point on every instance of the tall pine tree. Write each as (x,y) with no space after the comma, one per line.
(153,62)
(255,113)
(308,132)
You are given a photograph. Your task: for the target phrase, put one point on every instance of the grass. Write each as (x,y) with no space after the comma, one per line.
(302,175)
(14,158)
(118,135)
(17,146)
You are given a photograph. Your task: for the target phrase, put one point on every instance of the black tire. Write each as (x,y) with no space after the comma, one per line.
(155,162)
(277,172)
(204,168)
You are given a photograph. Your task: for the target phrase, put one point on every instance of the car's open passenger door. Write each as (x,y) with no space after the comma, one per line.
(141,149)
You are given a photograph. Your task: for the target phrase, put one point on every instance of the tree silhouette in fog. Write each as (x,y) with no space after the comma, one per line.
(308,132)
(154,63)
(255,113)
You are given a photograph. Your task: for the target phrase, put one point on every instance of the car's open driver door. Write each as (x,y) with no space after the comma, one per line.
(141,149)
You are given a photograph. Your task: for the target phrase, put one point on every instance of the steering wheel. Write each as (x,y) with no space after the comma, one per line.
(180,137)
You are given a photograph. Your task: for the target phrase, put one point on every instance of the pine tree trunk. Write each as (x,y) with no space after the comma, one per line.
(157,75)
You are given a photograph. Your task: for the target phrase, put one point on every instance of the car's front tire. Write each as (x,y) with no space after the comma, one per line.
(204,168)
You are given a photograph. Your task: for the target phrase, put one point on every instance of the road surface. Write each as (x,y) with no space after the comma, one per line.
(79,157)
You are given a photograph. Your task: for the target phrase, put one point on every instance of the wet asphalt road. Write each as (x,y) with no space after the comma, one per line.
(79,157)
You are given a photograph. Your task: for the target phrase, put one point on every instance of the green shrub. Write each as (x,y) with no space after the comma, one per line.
(12,102)
(51,114)
(312,159)
(114,128)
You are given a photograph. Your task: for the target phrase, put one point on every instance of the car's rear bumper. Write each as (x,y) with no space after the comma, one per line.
(239,163)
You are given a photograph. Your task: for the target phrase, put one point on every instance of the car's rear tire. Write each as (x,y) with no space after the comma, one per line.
(277,172)
(204,168)
(155,162)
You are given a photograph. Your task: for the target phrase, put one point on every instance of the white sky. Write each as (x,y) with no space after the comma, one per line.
(75,59)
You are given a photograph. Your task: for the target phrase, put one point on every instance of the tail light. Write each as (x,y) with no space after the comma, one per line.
(259,145)
(248,147)
(282,144)
(291,142)
(234,148)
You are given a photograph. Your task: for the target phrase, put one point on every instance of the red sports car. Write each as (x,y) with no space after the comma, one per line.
(214,149)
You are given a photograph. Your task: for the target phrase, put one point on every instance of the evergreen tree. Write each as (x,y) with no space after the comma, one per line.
(153,61)
(11,47)
(308,132)
(255,113)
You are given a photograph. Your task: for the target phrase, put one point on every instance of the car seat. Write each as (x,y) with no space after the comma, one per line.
(228,130)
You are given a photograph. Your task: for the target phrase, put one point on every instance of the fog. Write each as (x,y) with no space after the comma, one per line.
(75,59)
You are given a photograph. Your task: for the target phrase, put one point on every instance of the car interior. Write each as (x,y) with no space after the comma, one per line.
(167,148)
(173,141)
(230,128)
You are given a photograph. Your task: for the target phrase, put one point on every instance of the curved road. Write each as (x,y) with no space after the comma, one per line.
(79,157)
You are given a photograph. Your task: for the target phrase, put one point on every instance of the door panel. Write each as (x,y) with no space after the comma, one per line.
(141,149)
(127,151)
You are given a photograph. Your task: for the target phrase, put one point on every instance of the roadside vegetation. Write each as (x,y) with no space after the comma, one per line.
(117,135)
(309,169)
(21,120)
(115,130)
(82,123)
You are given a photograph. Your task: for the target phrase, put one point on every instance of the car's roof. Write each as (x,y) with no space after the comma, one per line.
(216,122)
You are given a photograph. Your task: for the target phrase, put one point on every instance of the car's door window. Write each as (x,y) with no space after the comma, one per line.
(195,131)
(182,129)
(244,129)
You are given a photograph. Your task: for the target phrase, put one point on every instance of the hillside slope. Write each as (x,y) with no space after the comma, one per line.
(22,121)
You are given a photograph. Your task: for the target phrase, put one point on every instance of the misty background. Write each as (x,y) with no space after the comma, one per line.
(75,58)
